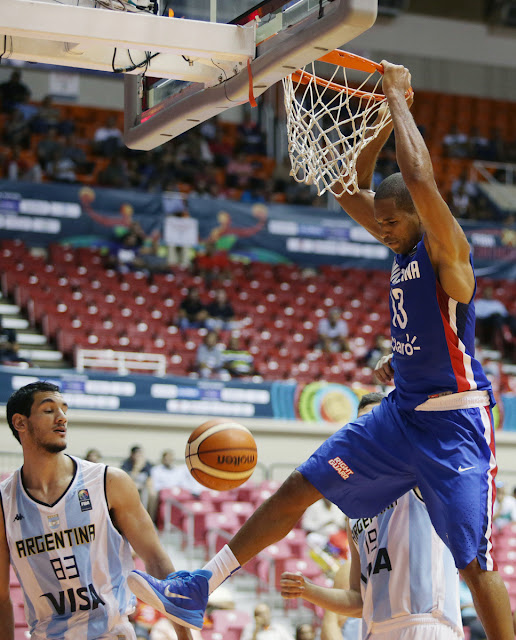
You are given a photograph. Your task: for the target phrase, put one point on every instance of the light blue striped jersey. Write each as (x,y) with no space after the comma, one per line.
(70,560)
(405,567)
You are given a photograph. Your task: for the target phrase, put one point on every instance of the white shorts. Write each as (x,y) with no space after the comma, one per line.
(426,631)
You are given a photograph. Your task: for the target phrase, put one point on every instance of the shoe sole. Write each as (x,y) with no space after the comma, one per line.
(144,592)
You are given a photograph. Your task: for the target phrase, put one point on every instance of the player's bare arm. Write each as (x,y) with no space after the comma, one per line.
(346,602)
(132,520)
(6,606)
(332,623)
(360,206)
(274,518)
(446,243)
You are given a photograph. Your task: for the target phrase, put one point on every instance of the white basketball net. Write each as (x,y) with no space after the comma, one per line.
(329,122)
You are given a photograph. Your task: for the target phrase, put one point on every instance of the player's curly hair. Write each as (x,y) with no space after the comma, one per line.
(394,187)
(22,399)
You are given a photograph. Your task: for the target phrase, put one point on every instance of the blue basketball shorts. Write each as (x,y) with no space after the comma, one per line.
(450,455)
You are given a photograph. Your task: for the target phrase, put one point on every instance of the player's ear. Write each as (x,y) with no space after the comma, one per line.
(19,422)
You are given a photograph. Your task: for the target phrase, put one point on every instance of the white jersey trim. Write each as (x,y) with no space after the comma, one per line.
(456,401)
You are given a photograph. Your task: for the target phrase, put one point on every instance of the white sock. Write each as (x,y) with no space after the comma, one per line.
(221,566)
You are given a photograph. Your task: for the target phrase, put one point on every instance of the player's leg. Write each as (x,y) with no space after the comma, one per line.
(455,456)
(491,601)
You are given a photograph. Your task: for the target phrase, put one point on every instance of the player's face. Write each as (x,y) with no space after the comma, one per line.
(399,229)
(47,423)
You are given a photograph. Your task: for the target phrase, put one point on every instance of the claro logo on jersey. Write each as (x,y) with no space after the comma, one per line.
(340,467)
(407,347)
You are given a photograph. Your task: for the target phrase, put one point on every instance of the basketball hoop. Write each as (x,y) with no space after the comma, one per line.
(331,120)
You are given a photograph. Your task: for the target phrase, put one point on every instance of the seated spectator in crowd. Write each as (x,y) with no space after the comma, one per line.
(61,168)
(461,204)
(47,117)
(107,140)
(455,143)
(116,173)
(93,455)
(333,332)
(237,361)
(139,468)
(468,613)
(16,130)
(192,311)
(28,110)
(143,620)
(321,521)
(305,631)
(211,263)
(209,362)
(13,92)
(478,145)
(47,148)
(19,168)
(493,319)
(221,312)
(167,475)
(124,256)
(77,155)
(504,510)
(9,348)
(382,347)
(261,628)
(250,137)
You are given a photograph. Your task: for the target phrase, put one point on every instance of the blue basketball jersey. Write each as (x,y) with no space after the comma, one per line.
(69,558)
(433,336)
(408,575)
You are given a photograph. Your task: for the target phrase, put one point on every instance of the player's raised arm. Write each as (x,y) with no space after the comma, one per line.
(446,243)
(360,206)
(6,606)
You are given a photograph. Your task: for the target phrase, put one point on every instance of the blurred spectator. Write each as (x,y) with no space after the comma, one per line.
(333,332)
(250,138)
(479,146)
(221,313)
(9,348)
(61,168)
(153,256)
(107,140)
(211,263)
(143,620)
(455,143)
(124,256)
(238,171)
(47,117)
(19,168)
(382,347)
(75,153)
(493,320)
(167,475)
(262,628)
(47,147)
(16,130)
(322,520)
(504,510)
(460,204)
(209,361)
(93,455)
(13,92)
(115,174)
(192,311)
(237,361)
(305,631)
(139,468)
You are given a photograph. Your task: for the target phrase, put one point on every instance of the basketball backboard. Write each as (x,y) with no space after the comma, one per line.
(184,60)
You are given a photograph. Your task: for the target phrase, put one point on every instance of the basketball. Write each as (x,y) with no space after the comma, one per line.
(221,454)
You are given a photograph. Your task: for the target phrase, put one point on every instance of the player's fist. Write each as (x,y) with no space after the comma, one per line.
(292,585)
(383,370)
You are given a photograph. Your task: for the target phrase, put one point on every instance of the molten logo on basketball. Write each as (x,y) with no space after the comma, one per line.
(236,461)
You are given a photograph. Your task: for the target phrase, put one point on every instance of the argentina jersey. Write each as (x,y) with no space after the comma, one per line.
(406,569)
(69,558)
(433,336)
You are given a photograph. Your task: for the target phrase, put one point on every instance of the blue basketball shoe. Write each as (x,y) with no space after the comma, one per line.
(182,596)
